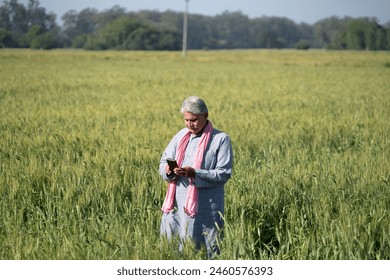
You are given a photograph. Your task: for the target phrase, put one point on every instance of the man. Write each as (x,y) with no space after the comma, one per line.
(194,205)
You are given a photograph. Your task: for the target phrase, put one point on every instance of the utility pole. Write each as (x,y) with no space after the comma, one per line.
(185,28)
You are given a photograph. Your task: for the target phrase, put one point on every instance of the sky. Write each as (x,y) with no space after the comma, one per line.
(308,11)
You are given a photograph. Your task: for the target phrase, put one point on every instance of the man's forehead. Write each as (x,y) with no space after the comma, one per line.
(188,115)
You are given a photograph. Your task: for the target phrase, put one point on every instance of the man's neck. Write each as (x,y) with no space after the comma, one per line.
(203,128)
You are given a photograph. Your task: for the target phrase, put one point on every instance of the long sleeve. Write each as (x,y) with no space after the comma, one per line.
(170,152)
(218,163)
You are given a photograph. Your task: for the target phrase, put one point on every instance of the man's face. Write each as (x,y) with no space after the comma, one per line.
(195,123)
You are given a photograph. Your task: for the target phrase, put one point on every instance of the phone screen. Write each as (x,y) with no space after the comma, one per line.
(172,163)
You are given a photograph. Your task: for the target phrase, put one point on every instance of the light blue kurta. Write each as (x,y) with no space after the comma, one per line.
(210,179)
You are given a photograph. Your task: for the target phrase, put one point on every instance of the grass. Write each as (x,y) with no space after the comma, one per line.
(81,134)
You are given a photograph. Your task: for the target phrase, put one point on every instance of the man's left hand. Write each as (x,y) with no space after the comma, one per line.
(186,171)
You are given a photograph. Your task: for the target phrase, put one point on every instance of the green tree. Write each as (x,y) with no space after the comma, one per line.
(13,17)
(6,39)
(118,33)
(330,33)
(25,23)
(232,29)
(45,41)
(274,32)
(28,37)
(365,34)
(355,35)
(77,25)
(37,15)
(387,31)
(130,33)
(302,45)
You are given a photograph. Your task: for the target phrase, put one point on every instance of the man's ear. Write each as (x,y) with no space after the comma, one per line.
(206,115)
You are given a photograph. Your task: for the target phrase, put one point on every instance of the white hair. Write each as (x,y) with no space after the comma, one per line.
(194,105)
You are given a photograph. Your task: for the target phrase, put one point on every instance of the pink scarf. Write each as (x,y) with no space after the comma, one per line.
(191,206)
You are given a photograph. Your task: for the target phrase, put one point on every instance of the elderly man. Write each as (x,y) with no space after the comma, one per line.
(194,204)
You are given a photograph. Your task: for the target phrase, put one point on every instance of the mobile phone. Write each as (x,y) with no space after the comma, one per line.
(172,164)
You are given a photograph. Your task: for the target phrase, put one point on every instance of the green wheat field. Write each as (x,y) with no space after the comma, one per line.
(81,135)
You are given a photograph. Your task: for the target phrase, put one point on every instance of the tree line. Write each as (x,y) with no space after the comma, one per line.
(32,26)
